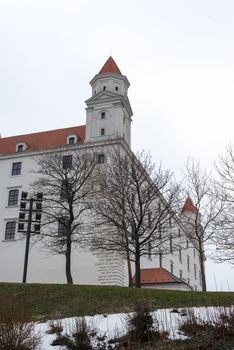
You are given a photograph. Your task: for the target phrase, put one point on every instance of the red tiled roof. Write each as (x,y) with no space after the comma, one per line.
(157,275)
(42,140)
(189,206)
(110,67)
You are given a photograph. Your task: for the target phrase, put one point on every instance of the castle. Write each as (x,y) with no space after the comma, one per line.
(108,122)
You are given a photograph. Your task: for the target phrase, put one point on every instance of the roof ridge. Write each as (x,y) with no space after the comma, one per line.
(40,132)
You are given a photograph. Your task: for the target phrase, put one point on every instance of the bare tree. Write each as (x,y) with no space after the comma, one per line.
(208,208)
(225,236)
(66,181)
(133,214)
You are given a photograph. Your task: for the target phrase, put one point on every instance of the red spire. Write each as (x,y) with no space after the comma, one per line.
(110,67)
(189,206)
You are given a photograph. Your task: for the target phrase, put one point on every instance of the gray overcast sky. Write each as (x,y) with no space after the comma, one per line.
(178,56)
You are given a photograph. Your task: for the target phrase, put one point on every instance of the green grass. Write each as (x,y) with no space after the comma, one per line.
(51,301)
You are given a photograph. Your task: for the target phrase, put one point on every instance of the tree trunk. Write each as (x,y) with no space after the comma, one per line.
(137,268)
(68,262)
(129,270)
(202,266)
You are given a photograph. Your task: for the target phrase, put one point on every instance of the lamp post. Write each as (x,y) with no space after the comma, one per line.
(29,222)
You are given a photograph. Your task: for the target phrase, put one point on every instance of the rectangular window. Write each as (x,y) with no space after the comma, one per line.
(195,271)
(188,281)
(101,158)
(67,162)
(13,197)
(200,277)
(149,251)
(20,148)
(180,255)
(171,245)
(172,266)
(159,207)
(160,259)
(150,219)
(187,243)
(103,115)
(102,132)
(160,232)
(16,169)
(179,233)
(188,263)
(181,274)
(10,230)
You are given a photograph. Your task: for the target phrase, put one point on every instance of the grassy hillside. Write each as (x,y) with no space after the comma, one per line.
(49,301)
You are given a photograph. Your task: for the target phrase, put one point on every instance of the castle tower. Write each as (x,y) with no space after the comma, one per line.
(108,112)
(190,217)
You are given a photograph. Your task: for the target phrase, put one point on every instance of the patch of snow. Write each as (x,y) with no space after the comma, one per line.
(114,325)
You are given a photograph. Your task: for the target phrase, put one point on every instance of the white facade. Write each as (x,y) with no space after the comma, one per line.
(108,121)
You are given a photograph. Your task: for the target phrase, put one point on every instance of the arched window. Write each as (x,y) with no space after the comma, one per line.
(21,147)
(72,139)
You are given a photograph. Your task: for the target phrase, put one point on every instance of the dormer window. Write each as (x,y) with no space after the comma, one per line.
(103,115)
(72,139)
(21,147)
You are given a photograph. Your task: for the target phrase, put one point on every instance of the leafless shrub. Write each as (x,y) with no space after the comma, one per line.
(215,331)
(16,330)
(142,329)
(81,336)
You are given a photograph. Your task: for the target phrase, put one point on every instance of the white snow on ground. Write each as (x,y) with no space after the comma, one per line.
(113,325)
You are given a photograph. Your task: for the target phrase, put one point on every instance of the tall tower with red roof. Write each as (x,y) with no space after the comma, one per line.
(108,112)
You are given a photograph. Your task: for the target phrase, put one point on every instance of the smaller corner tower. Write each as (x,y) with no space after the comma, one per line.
(108,112)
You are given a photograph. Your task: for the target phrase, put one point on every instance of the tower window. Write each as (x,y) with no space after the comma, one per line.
(104,87)
(102,132)
(116,88)
(103,115)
